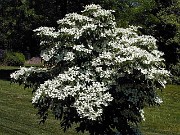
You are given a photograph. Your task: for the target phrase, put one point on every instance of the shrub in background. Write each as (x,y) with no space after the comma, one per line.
(13,58)
(97,75)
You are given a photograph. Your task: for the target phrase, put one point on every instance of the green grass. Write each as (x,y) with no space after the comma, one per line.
(8,67)
(18,117)
(164,120)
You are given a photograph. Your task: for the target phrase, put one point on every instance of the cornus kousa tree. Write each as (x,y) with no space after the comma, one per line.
(96,74)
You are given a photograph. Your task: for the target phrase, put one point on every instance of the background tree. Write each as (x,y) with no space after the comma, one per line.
(19,17)
(163,22)
(165,27)
(17,22)
(128,12)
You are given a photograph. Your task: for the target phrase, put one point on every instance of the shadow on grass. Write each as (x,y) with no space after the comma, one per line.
(5,74)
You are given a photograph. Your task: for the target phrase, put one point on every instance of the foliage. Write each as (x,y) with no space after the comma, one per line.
(162,20)
(129,12)
(17,19)
(13,59)
(170,16)
(175,71)
(1,56)
(54,9)
(165,27)
(93,69)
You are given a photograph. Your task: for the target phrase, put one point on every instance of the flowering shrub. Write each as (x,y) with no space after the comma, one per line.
(97,75)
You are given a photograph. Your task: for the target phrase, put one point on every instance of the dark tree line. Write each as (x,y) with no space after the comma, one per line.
(19,17)
(166,28)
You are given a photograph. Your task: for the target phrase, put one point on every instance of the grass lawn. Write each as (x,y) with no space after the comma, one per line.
(8,67)
(18,117)
(164,120)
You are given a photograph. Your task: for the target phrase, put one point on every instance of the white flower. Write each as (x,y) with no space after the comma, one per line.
(106,55)
(91,7)
(69,56)
(47,54)
(72,17)
(89,102)
(158,100)
(81,48)
(24,72)
(142,114)
(47,31)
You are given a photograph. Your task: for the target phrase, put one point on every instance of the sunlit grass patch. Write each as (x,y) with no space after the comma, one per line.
(165,119)
(18,117)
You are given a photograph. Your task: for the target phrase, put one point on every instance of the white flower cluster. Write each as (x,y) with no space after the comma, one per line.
(71,18)
(24,72)
(48,54)
(69,56)
(97,10)
(142,114)
(20,73)
(89,98)
(81,48)
(158,100)
(107,52)
(92,7)
(47,31)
